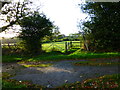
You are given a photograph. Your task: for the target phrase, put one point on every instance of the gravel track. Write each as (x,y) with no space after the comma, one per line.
(56,74)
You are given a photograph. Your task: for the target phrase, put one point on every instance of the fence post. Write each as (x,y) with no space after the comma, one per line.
(15,45)
(66,46)
(80,44)
(71,44)
(9,46)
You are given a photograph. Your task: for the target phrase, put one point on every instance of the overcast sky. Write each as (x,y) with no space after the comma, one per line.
(65,13)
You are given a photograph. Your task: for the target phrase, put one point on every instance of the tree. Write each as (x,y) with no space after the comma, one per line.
(14,12)
(56,35)
(3,3)
(103,25)
(34,28)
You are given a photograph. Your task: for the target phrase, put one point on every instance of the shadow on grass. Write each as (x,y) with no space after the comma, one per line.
(57,56)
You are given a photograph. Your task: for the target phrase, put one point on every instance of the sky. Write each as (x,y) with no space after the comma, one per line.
(64,13)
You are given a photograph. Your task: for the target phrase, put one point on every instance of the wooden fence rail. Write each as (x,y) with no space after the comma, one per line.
(10,45)
(72,45)
(66,45)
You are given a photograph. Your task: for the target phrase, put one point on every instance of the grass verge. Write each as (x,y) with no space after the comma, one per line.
(103,82)
(93,63)
(57,56)
(11,83)
(106,81)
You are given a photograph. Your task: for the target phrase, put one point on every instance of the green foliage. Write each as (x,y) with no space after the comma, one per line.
(34,28)
(75,37)
(103,26)
(55,36)
(6,84)
(13,58)
(19,49)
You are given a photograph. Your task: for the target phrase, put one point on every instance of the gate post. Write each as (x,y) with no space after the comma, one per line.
(66,46)
(70,44)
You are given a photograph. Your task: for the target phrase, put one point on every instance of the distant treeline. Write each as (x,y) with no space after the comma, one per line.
(45,39)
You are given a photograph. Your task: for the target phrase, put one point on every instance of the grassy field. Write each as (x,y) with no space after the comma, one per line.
(59,46)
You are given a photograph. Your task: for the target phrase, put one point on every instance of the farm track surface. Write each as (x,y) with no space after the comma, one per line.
(59,72)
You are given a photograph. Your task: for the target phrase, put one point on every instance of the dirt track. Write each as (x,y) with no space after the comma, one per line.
(56,74)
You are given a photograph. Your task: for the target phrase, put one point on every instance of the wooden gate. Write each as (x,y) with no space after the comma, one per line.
(73,45)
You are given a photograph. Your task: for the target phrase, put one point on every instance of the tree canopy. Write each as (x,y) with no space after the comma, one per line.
(34,25)
(103,25)
(14,12)
(34,28)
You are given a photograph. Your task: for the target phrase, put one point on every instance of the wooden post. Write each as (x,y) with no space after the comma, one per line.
(80,44)
(85,43)
(8,45)
(71,44)
(66,46)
